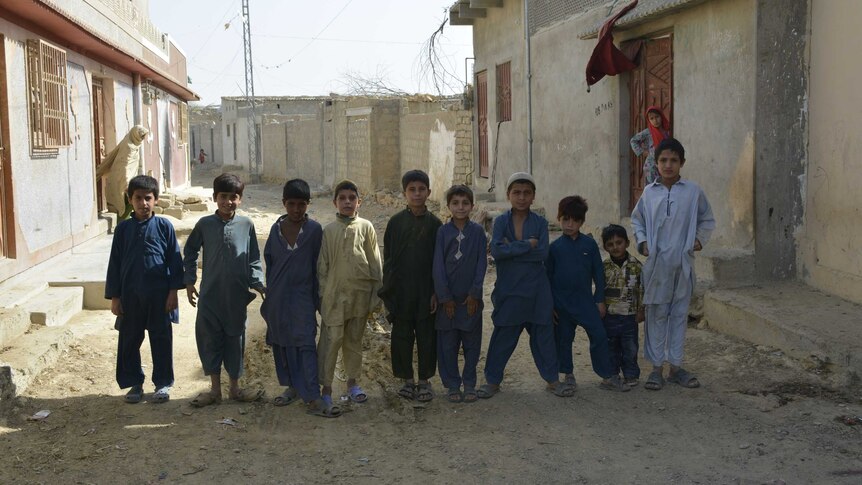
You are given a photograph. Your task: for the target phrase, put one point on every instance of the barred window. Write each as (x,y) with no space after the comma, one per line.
(184,124)
(504,91)
(49,95)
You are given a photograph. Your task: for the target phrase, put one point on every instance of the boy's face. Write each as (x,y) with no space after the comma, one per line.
(143,203)
(654,119)
(669,165)
(460,207)
(347,202)
(521,195)
(416,194)
(295,209)
(227,203)
(617,247)
(570,226)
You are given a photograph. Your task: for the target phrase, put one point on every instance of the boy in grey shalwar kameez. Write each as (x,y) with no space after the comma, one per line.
(671,221)
(231,266)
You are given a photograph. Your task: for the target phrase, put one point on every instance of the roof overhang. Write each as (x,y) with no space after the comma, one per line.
(646,11)
(57,27)
(463,12)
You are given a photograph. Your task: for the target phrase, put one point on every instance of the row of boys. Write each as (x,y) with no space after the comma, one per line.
(337,271)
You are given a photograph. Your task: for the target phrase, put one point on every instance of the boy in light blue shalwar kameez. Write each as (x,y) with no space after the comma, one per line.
(671,221)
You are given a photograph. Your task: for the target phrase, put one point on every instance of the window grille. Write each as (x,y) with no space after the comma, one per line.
(504,91)
(184,124)
(49,95)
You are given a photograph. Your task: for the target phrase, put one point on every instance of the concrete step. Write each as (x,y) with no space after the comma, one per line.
(108,220)
(801,321)
(94,292)
(21,292)
(13,323)
(725,267)
(42,347)
(55,306)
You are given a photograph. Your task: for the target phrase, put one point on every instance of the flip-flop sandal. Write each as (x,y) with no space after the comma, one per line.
(289,396)
(614,383)
(571,382)
(454,396)
(205,399)
(470,395)
(356,394)
(408,391)
(425,393)
(560,389)
(135,394)
(162,395)
(684,378)
(323,410)
(655,381)
(247,396)
(487,391)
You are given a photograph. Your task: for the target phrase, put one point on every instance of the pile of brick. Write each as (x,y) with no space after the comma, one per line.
(178,205)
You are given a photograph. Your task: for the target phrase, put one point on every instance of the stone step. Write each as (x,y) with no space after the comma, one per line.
(55,306)
(21,292)
(43,347)
(94,292)
(725,267)
(801,321)
(13,323)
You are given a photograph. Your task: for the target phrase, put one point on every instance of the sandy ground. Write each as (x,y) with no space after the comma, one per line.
(759,417)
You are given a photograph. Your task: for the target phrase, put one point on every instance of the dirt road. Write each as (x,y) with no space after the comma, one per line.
(758,418)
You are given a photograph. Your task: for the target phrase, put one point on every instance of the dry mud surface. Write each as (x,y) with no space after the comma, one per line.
(759,417)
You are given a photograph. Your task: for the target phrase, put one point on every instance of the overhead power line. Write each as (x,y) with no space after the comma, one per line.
(313,39)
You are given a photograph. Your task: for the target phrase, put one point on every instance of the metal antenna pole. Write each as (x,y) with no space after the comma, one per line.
(253,152)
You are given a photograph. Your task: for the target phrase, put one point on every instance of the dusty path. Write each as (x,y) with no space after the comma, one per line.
(759,418)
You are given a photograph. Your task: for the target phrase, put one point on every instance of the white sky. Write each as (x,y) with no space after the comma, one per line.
(366,37)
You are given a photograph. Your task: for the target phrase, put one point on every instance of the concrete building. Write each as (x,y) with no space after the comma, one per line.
(75,76)
(206,132)
(759,92)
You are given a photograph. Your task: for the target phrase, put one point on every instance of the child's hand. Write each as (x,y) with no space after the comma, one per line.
(172,302)
(472,305)
(192,294)
(116,306)
(434,303)
(640,317)
(643,249)
(603,310)
(449,308)
(533,242)
(697,245)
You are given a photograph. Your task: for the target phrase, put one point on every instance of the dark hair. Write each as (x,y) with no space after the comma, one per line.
(296,189)
(459,190)
(344,185)
(229,183)
(143,182)
(613,230)
(573,207)
(671,144)
(415,176)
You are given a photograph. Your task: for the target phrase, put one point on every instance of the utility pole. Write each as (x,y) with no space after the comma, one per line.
(253,152)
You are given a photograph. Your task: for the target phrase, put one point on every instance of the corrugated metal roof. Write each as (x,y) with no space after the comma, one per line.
(646,11)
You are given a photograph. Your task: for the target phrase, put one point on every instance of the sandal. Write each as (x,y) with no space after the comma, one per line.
(560,389)
(135,394)
(683,378)
(205,399)
(289,396)
(487,391)
(571,382)
(655,381)
(356,394)
(318,407)
(454,396)
(162,395)
(408,391)
(614,383)
(470,395)
(424,392)
(247,396)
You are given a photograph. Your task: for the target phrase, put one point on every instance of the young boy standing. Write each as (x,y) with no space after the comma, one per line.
(145,271)
(671,221)
(522,294)
(291,254)
(574,265)
(624,295)
(350,273)
(460,261)
(231,266)
(408,287)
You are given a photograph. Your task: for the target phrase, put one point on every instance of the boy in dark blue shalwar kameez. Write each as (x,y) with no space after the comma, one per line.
(522,295)
(145,271)
(291,254)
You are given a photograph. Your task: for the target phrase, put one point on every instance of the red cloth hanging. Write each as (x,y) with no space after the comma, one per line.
(607,59)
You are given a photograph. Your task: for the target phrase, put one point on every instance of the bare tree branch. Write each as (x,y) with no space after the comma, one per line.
(432,65)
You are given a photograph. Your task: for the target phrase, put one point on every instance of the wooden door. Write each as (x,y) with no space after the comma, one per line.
(482,108)
(99,139)
(651,84)
(7,234)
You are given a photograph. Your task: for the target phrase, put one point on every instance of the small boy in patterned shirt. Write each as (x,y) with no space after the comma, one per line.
(624,300)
